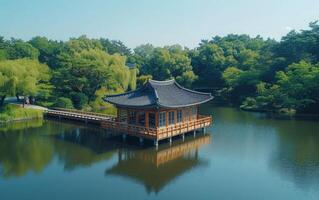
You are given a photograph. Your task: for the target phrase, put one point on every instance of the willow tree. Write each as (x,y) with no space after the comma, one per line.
(22,77)
(88,71)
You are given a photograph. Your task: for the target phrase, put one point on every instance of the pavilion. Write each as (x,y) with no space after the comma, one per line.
(158,110)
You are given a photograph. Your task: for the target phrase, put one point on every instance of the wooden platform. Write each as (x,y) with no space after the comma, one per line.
(110,123)
(158,133)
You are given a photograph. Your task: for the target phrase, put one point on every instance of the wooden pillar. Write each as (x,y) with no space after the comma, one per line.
(127,116)
(166,114)
(183,115)
(156,119)
(146,119)
(197,112)
(136,117)
(117,114)
(175,117)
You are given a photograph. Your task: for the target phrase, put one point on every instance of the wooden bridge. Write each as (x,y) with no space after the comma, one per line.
(111,123)
(87,117)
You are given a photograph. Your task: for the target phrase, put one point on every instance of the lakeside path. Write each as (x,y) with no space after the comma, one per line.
(13,100)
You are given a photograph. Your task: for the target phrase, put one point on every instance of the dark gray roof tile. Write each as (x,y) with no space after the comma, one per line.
(167,94)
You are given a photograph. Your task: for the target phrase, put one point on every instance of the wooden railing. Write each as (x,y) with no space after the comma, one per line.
(110,122)
(158,133)
(184,127)
(129,128)
(83,112)
(78,115)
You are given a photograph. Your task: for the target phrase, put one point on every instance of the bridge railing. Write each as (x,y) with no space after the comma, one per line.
(84,112)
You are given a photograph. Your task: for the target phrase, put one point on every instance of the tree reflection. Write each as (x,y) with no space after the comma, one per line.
(26,149)
(21,153)
(156,168)
(16,126)
(83,147)
(297,153)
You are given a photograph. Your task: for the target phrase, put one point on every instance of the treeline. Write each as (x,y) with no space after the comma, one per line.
(72,74)
(253,73)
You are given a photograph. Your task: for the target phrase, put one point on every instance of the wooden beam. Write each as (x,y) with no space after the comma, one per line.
(175,117)
(146,119)
(166,116)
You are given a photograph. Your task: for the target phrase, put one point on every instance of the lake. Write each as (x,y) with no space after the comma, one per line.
(242,156)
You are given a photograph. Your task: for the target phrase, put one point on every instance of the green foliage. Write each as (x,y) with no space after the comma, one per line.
(22,77)
(63,102)
(299,84)
(141,80)
(114,46)
(14,112)
(165,63)
(132,82)
(186,78)
(100,106)
(249,71)
(231,76)
(79,99)
(20,49)
(48,49)
(87,71)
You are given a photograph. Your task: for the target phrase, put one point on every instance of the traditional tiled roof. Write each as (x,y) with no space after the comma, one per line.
(167,94)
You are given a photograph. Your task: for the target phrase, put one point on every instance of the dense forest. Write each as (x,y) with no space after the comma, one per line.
(250,72)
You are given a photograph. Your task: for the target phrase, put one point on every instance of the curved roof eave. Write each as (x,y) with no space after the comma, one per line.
(186,105)
(131,106)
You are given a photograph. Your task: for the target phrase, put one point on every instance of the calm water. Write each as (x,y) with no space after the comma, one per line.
(244,156)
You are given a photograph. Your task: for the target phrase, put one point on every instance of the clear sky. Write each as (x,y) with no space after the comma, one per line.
(159,22)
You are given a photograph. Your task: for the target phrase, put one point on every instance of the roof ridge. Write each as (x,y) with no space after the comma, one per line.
(149,84)
(161,82)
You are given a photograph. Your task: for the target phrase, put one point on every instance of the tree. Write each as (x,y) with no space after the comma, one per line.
(87,71)
(299,84)
(166,63)
(231,76)
(20,49)
(208,62)
(22,77)
(114,46)
(48,50)
(63,102)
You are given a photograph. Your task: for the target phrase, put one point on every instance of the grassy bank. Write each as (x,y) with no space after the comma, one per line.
(12,112)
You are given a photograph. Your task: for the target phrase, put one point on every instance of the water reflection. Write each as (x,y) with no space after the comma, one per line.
(24,150)
(31,150)
(247,147)
(156,168)
(296,157)
(22,125)
(290,147)
(21,153)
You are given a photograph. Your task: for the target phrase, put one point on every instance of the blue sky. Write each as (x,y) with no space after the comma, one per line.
(160,22)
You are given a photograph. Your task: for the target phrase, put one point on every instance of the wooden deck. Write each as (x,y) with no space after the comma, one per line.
(158,133)
(110,123)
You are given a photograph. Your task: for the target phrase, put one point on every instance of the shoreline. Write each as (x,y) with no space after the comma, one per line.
(273,114)
(20,120)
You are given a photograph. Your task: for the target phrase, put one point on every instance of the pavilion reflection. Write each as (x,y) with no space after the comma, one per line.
(156,168)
